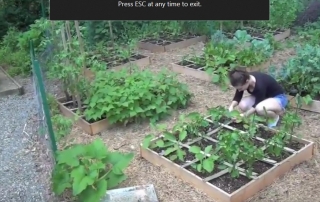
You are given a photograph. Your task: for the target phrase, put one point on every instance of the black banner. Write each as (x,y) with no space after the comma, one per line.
(159,10)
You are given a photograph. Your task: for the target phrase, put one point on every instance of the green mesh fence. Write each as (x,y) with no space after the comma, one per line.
(46,128)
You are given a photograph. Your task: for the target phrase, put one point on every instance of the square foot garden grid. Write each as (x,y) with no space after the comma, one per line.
(92,128)
(8,85)
(313,106)
(220,186)
(114,63)
(168,42)
(191,68)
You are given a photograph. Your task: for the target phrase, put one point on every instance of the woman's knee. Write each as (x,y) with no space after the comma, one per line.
(261,109)
(244,106)
(267,106)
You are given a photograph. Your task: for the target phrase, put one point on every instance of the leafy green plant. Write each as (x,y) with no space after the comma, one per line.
(89,170)
(251,51)
(309,34)
(61,125)
(300,74)
(276,144)
(206,163)
(15,60)
(242,150)
(170,144)
(222,54)
(124,97)
(278,18)
(194,124)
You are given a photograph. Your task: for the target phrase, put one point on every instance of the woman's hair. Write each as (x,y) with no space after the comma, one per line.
(238,77)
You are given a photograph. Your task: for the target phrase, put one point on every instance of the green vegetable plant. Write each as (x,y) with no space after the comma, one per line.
(169,144)
(89,170)
(68,66)
(206,159)
(309,34)
(194,123)
(219,54)
(242,150)
(290,121)
(124,97)
(300,74)
(125,52)
(251,51)
(61,125)
(222,54)
(276,144)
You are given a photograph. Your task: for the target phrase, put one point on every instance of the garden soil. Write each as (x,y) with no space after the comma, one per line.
(301,184)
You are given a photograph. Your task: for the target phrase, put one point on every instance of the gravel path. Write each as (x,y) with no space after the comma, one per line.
(25,163)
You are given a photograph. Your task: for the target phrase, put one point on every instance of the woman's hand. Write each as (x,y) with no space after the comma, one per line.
(231,108)
(239,120)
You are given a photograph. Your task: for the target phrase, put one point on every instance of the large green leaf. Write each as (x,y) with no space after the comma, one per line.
(94,194)
(80,180)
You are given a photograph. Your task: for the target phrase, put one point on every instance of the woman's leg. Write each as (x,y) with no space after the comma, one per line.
(272,108)
(246,103)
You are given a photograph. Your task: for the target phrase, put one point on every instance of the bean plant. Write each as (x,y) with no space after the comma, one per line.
(206,163)
(126,96)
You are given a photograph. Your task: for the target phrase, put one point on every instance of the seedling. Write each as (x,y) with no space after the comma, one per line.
(206,163)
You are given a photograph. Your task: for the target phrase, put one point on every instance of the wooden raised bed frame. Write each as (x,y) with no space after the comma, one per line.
(202,75)
(283,35)
(154,48)
(314,106)
(90,128)
(18,90)
(246,191)
(142,63)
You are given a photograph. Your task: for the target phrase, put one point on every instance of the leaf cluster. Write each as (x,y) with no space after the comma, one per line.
(89,170)
(224,53)
(300,74)
(125,96)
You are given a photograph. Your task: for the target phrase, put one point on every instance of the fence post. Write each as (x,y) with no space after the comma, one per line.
(45,105)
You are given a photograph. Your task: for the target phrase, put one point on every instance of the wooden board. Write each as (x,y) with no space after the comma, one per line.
(314,106)
(8,85)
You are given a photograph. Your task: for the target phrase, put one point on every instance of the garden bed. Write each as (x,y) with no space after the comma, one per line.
(219,185)
(168,42)
(197,70)
(314,106)
(117,63)
(92,128)
(8,85)
(278,34)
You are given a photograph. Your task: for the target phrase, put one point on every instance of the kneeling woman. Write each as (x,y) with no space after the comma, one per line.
(267,97)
